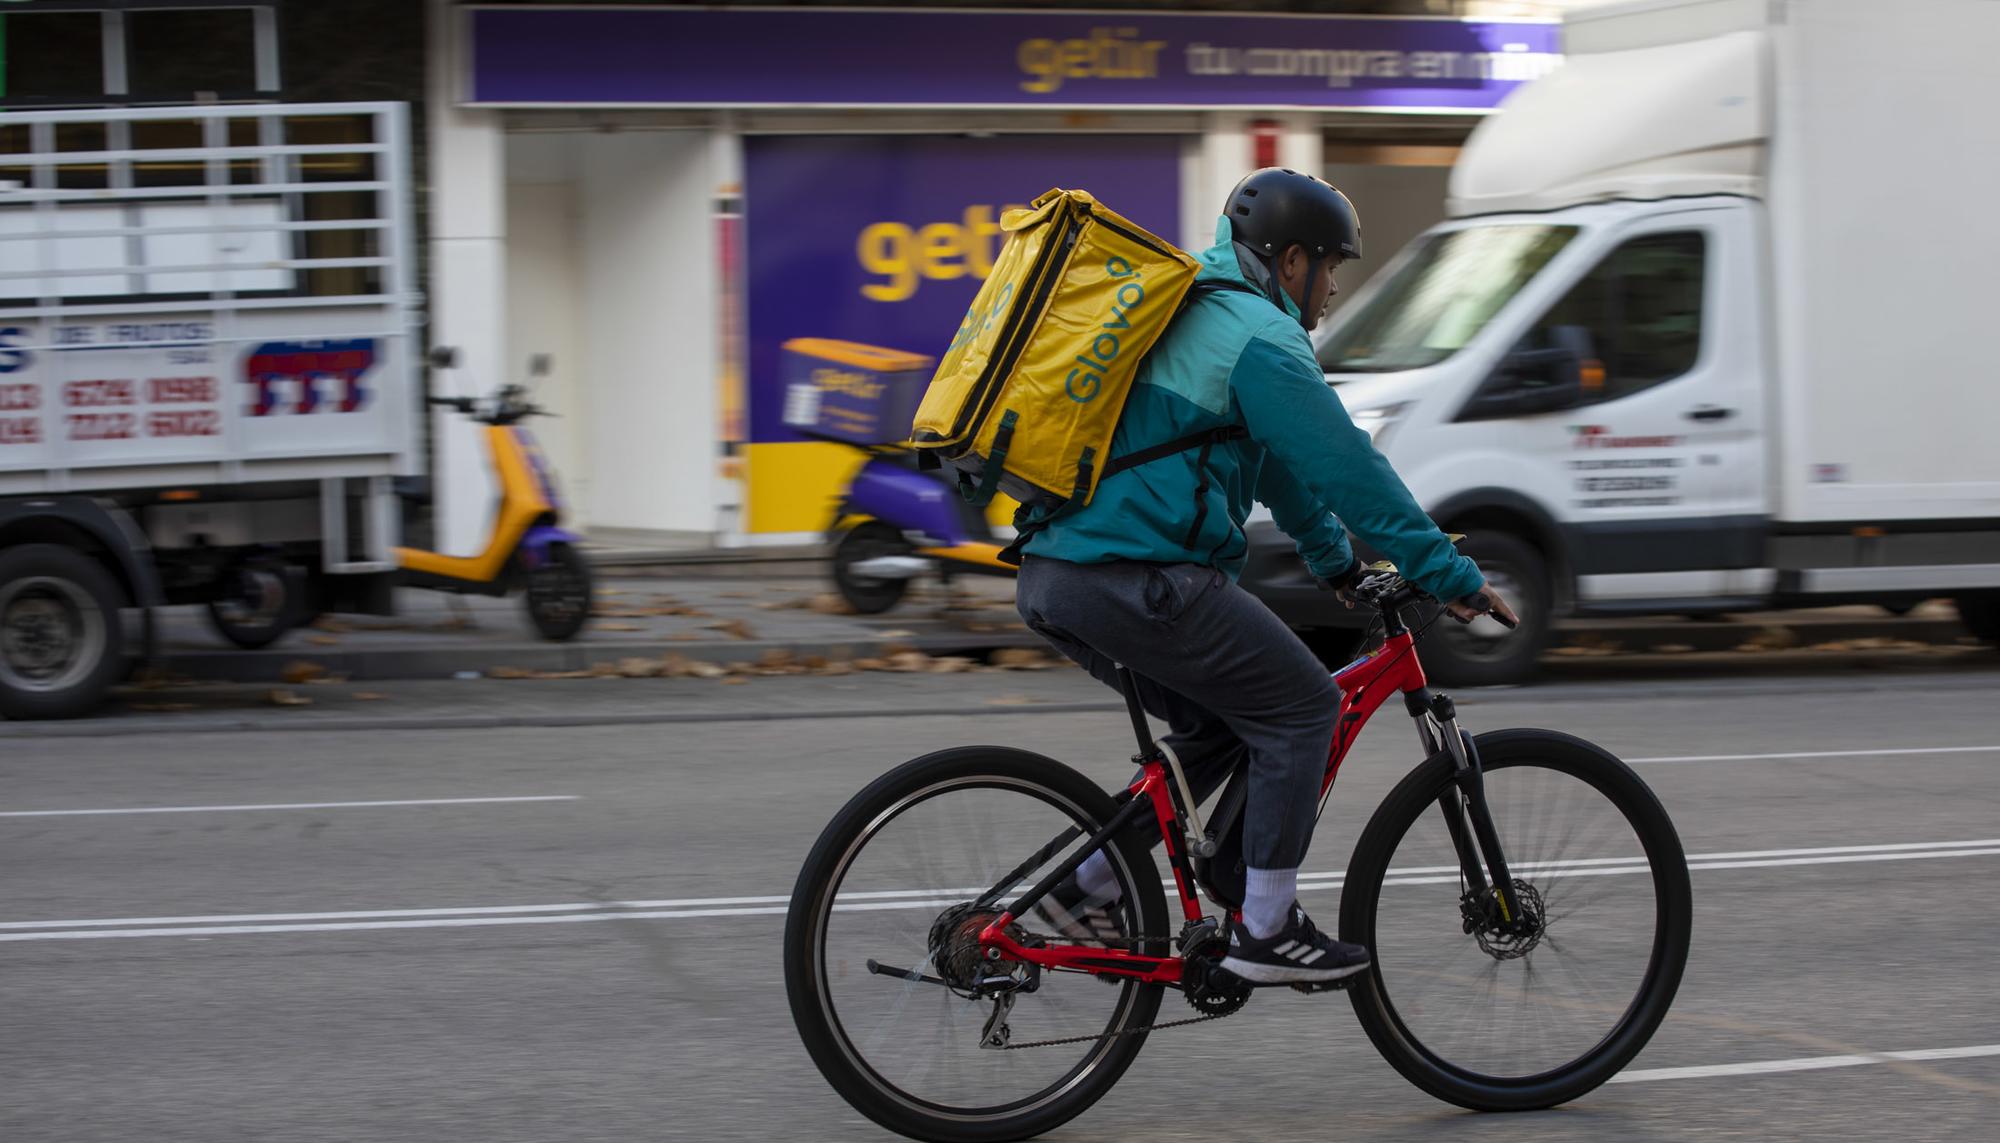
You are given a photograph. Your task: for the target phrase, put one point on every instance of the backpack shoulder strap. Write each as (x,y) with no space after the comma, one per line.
(1206,438)
(1218,286)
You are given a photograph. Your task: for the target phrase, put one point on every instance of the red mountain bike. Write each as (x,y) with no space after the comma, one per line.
(1523,894)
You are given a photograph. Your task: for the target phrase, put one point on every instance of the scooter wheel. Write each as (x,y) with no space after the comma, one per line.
(866,541)
(559,593)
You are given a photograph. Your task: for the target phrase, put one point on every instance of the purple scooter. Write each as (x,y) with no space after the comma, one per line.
(895,523)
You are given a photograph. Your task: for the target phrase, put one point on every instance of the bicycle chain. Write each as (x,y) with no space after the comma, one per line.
(1113,1035)
(1112,942)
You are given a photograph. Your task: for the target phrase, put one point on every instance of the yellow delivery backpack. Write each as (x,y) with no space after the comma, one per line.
(1028,394)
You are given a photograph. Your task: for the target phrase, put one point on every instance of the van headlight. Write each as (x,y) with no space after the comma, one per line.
(1376,421)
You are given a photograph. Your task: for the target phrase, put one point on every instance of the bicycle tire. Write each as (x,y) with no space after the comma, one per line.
(819,881)
(1418,794)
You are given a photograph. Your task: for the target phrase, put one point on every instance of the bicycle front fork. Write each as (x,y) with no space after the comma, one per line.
(1466,815)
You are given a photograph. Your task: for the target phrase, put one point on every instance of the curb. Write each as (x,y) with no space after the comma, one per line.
(442,662)
(133,727)
(1578,642)
(755,563)
(1776,634)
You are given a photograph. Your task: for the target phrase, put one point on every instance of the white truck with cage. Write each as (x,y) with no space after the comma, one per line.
(1705,332)
(207,378)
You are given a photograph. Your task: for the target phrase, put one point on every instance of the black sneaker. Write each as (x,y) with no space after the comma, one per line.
(1295,954)
(1076,915)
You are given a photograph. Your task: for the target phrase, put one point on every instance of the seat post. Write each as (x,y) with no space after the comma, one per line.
(1130,685)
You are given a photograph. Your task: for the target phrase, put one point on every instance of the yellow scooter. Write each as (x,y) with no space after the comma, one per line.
(528,548)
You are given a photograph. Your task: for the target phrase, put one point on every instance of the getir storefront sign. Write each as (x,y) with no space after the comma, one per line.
(793,57)
(883,241)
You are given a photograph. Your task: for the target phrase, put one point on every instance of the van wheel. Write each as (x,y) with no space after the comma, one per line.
(61,636)
(1483,653)
(1981,615)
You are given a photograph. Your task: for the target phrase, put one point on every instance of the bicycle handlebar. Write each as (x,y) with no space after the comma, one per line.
(1384,588)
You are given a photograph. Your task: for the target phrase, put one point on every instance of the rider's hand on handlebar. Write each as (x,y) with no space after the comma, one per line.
(1342,586)
(1482,602)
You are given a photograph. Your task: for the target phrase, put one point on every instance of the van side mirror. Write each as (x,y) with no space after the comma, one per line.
(1529,381)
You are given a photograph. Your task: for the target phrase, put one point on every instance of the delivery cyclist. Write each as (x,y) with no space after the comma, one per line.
(1144,575)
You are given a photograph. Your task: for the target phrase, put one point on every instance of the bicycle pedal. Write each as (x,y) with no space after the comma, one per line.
(1326,985)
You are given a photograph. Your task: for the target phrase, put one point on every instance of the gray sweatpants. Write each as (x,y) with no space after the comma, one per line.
(1225,674)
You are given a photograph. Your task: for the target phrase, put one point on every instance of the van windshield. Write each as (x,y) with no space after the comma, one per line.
(1447,291)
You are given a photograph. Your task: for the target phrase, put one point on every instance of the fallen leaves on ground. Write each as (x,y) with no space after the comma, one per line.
(287,698)
(617,627)
(660,605)
(1770,639)
(1589,645)
(1021,659)
(161,707)
(323,640)
(300,671)
(369,696)
(735,627)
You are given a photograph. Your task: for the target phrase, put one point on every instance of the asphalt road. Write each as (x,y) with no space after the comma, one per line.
(450,970)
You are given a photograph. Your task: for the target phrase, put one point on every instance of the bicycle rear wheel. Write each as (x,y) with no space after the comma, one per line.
(1500,1018)
(883,966)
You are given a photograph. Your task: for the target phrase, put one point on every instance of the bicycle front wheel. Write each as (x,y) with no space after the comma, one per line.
(897,1004)
(1500,1016)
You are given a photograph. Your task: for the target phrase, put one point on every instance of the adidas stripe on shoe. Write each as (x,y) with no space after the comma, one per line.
(1296,954)
(1077,915)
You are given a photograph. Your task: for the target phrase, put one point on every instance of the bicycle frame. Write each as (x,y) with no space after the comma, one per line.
(1365,685)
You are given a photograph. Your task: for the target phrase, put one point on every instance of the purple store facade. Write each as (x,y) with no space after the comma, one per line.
(660,199)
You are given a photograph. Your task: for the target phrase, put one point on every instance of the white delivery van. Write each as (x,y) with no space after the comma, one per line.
(1711,326)
(207,378)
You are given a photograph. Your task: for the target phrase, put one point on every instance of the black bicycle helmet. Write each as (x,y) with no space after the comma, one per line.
(1274,207)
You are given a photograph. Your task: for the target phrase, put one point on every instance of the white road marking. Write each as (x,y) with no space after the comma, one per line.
(229,924)
(1746,859)
(1803,1064)
(286,806)
(1907,750)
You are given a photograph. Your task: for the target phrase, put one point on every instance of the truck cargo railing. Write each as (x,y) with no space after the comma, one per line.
(211,296)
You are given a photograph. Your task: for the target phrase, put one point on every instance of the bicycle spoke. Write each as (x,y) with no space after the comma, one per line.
(916,1025)
(1514,1004)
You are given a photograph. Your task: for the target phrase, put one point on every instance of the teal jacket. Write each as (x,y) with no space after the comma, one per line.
(1233,358)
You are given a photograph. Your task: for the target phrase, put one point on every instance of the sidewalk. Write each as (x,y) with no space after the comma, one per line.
(713,614)
(727,613)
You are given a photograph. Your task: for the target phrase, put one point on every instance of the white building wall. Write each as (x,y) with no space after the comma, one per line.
(467,286)
(545,303)
(649,324)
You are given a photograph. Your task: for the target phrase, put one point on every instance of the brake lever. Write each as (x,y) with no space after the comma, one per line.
(1483,604)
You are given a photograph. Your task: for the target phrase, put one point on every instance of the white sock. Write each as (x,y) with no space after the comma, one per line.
(1268,897)
(1096,877)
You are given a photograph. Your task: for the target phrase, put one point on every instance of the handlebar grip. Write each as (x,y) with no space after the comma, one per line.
(1483,602)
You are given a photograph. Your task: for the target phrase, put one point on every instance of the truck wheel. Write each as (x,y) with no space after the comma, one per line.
(559,593)
(258,608)
(869,595)
(1483,653)
(1981,615)
(61,638)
